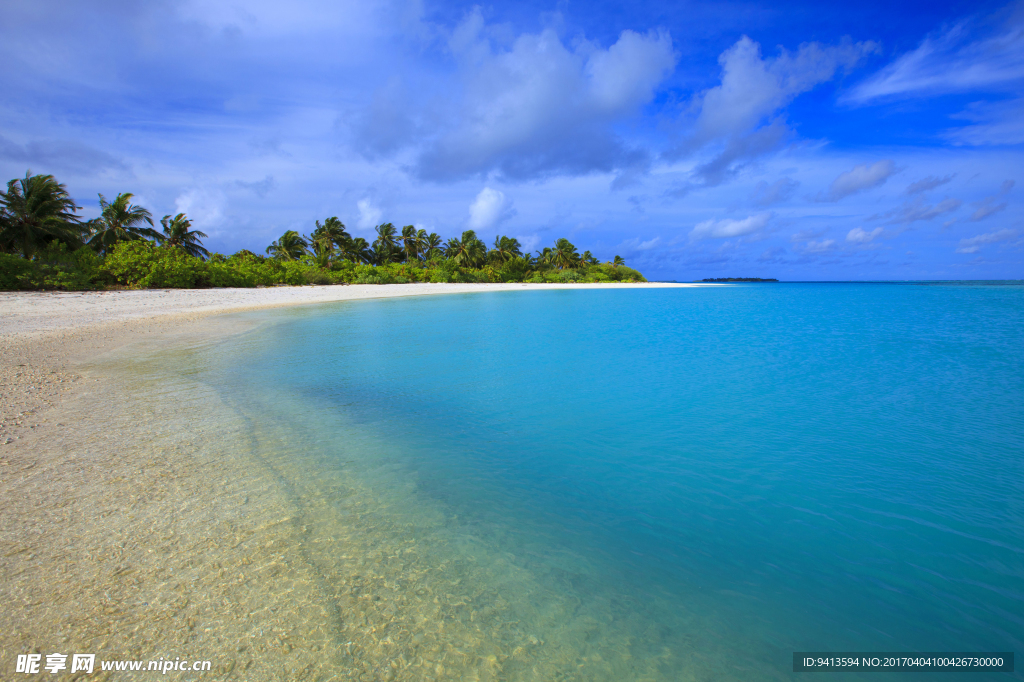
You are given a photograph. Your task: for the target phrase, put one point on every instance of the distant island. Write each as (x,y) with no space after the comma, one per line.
(738,279)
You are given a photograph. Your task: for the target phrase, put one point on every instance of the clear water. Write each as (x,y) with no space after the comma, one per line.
(674,483)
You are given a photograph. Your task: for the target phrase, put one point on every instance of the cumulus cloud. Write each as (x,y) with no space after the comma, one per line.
(973,244)
(860,178)
(780,190)
(540,107)
(727,227)
(952,62)
(859,235)
(927,184)
(740,117)
(369,214)
(819,246)
(989,205)
(204,207)
(528,242)
(490,208)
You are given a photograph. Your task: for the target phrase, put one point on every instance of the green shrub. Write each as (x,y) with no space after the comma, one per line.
(54,267)
(142,264)
(443,271)
(17,273)
(514,270)
(366,274)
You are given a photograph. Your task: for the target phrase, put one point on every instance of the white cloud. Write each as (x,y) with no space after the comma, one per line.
(741,114)
(860,178)
(950,63)
(369,215)
(719,229)
(539,106)
(973,244)
(753,88)
(490,208)
(625,75)
(635,244)
(859,235)
(528,243)
(820,246)
(204,207)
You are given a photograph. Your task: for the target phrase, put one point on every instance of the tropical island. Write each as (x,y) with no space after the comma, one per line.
(738,279)
(46,245)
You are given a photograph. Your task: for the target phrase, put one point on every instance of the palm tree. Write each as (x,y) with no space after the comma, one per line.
(323,252)
(333,230)
(618,261)
(385,248)
(374,256)
(505,248)
(411,242)
(588,259)
(178,235)
(120,221)
(291,246)
(431,243)
(450,248)
(386,234)
(35,210)
(564,255)
(544,256)
(468,251)
(356,249)
(516,268)
(421,238)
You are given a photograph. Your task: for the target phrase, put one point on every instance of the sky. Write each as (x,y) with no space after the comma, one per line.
(796,140)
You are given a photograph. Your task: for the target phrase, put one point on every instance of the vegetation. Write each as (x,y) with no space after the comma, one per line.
(45,245)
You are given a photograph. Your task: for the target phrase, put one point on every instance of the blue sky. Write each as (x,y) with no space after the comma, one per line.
(797,140)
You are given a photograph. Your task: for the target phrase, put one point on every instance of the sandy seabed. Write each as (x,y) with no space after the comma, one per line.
(138,525)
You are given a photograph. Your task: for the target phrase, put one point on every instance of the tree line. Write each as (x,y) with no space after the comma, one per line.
(39,222)
(330,241)
(37,210)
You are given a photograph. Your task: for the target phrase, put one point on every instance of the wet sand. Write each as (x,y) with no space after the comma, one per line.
(138,523)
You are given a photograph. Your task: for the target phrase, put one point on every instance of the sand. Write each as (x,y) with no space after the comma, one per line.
(130,531)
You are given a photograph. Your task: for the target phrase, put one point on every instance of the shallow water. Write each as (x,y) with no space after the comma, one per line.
(666,484)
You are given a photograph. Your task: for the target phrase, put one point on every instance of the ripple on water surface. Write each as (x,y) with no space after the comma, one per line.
(665,484)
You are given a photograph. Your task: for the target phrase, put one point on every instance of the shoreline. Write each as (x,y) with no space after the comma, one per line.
(37,312)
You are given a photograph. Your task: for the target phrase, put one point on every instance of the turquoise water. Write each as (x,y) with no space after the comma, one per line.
(717,477)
